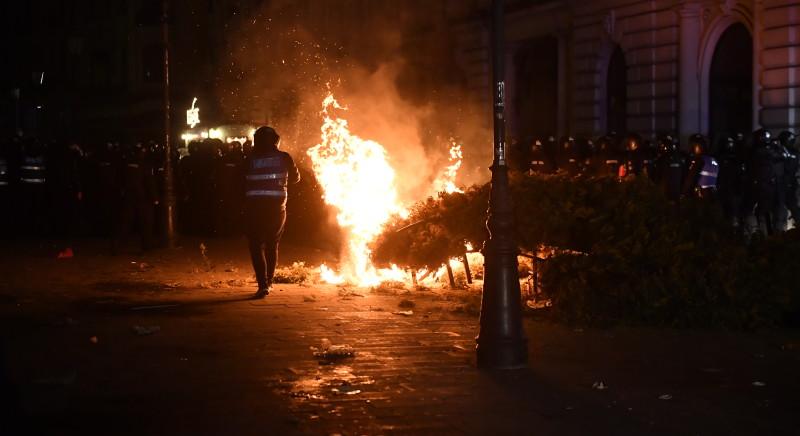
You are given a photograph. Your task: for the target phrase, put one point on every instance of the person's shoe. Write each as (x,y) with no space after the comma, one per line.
(262,292)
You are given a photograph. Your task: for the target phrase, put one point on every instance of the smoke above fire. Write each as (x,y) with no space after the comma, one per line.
(402,93)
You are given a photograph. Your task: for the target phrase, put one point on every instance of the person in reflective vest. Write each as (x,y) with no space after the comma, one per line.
(33,187)
(791,174)
(268,172)
(701,179)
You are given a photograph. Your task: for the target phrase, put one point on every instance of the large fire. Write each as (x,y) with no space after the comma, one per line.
(359,182)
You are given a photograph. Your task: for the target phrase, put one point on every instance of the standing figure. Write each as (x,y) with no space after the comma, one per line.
(33,199)
(6,198)
(762,185)
(791,174)
(730,183)
(633,163)
(701,178)
(229,189)
(607,159)
(670,168)
(138,197)
(268,172)
(568,157)
(540,161)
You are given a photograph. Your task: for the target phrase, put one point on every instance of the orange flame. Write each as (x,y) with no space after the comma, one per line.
(446,182)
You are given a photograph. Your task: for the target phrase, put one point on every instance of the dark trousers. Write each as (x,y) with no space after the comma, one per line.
(139,211)
(264,230)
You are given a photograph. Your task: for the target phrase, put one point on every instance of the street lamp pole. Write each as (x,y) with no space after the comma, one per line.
(169,185)
(501,341)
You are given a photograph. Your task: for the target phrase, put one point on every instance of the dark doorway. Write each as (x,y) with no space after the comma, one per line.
(731,83)
(536,95)
(617,93)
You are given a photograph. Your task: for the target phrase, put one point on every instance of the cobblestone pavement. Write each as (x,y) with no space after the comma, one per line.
(170,344)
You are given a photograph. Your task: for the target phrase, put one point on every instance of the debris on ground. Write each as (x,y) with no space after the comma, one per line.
(232,269)
(94,340)
(309,299)
(346,293)
(404,312)
(600,386)
(157,306)
(389,287)
(759,384)
(297,274)
(329,352)
(665,397)
(538,304)
(146,330)
(407,304)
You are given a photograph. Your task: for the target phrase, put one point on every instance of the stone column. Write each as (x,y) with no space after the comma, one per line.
(563,78)
(690,36)
(758,6)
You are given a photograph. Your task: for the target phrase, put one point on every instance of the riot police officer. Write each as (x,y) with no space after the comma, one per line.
(607,159)
(633,163)
(6,199)
(730,183)
(138,197)
(541,162)
(229,189)
(788,141)
(568,157)
(268,173)
(33,187)
(670,168)
(762,190)
(703,172)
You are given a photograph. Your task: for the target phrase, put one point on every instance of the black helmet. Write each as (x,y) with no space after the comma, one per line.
(603,143)
(566,142)
(727,144)
(666,144)
(788,139)
(266,138)
(698,144)
(761,137)
(536,145)
(632,142)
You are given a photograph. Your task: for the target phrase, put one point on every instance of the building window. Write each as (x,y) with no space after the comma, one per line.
(617,93)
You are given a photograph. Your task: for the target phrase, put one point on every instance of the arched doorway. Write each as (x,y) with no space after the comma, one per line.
(617,93)
(730,83)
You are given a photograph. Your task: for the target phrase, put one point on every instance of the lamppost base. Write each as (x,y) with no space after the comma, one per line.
(502,353)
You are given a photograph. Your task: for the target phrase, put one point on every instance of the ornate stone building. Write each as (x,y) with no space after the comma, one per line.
(687,66)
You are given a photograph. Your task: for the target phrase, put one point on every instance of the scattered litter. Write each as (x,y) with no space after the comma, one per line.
(538,304)
(578,330)
(66,253)
(453,334)
(328,351)
(407,387)
(94,340)
(407,304)
(144,266)
(232,270)
(600,386)
(146,330)
(64,380)
(665,397)
(346,389)
(404,312)
(459,347)
(309,299)
(759,384)
(158,306)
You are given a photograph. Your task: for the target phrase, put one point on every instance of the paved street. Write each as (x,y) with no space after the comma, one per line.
(170,344)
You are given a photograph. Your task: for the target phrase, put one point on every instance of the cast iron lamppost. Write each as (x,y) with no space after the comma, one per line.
(169,189)
(501,342)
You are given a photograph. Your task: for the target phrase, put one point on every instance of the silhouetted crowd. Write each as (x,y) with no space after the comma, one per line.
(755,182)
(64,190)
